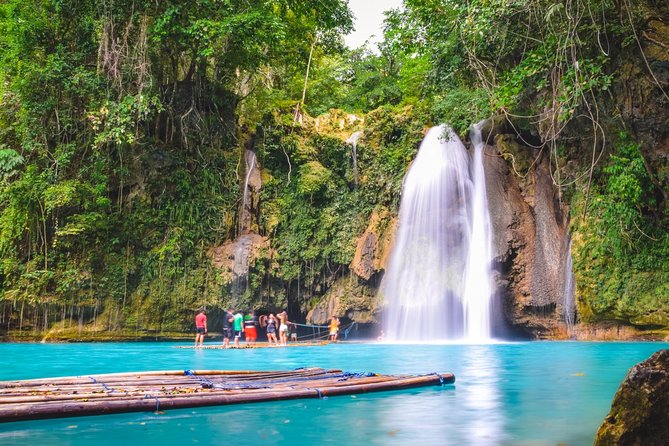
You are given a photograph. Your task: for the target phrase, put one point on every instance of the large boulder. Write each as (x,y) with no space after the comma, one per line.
(640,410)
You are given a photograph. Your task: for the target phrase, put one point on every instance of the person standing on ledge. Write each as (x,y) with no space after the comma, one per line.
(200,326)
(250,324)
(228,318)
(283,328)
(271,330)
(334,328)
(238,326)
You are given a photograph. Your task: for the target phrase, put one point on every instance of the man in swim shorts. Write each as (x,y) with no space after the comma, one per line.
(250,324)
(238,326)
(200,326)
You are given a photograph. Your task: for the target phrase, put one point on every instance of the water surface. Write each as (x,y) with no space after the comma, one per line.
(538,393)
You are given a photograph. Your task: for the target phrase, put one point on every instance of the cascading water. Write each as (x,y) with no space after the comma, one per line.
(478,281)
(569,304)
(245,212)
(244,240)
(353,141)
(438,281)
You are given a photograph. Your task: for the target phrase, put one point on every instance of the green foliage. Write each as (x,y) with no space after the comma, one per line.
(313,178)
(316,216)
(527,57)
(622,254)
(118,151)
(461,107)
(10,160)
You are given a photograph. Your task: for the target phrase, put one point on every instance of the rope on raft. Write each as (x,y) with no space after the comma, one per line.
(266,384)
(104,385)
(148,396)
(206,383)
(112,390)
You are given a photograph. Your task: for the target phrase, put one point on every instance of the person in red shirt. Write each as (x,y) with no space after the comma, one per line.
(200,327)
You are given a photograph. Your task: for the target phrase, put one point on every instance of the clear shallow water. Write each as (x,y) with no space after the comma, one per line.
(538,393)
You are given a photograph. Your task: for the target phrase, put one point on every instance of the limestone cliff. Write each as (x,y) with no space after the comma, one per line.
(530,235)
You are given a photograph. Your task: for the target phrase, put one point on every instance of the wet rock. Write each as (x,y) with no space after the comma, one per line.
(640,410)
(530,241)
(348,297)
(235,257)
(374,245)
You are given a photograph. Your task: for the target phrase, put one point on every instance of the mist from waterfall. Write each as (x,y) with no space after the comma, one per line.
(438,282)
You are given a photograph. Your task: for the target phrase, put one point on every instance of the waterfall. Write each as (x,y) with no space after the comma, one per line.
(245,214)
(569,304)
(438,282)
(353,141)
(242,245)
(478,280)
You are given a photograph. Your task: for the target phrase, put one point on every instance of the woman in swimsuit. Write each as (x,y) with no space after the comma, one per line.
(271,330)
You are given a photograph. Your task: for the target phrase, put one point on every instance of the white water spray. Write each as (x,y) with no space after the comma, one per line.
(438,282)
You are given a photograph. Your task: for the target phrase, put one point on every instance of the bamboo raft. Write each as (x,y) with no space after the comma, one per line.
(155,391)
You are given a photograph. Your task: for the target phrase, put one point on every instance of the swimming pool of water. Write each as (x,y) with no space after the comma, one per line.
(530,393)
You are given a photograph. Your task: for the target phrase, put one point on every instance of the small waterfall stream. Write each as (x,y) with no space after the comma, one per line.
(438,282)
(353,141)
(245,212)
(243,243)
(569,303)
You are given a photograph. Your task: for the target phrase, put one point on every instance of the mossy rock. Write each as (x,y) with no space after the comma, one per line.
(640,410)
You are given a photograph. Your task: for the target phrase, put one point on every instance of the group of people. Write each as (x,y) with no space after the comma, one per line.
(236,324)
(286,328)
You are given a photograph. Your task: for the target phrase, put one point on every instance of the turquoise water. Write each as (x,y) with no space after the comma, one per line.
(535,393)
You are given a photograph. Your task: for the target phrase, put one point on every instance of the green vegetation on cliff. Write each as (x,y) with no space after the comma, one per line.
(622,246)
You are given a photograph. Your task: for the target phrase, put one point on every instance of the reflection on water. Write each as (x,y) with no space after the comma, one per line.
(538,394)
(469,413)
(481,396)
